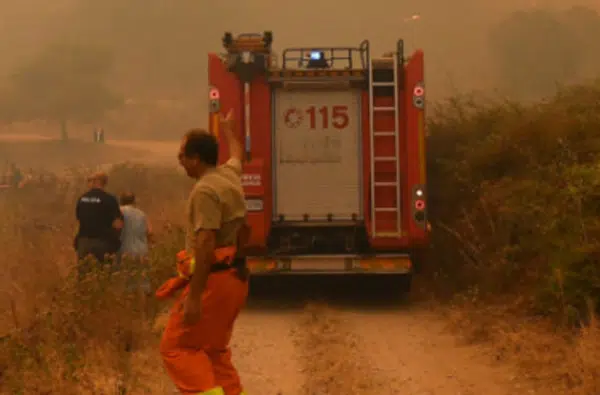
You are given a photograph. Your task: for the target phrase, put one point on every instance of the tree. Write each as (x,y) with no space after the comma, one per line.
(66,82)
(534,52)
(584,22)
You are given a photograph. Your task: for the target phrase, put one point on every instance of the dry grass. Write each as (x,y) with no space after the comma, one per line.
(553,359)
(59,336)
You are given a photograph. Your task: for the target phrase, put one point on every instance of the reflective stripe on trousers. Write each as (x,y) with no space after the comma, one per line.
(214,391)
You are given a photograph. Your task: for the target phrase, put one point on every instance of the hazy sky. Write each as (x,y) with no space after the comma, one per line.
(161,45)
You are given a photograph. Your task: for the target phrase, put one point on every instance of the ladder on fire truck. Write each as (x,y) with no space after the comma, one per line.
(375,135)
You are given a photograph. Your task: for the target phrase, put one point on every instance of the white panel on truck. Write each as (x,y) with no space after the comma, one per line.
(316,154)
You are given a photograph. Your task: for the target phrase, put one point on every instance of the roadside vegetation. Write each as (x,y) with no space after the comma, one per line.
(515,197)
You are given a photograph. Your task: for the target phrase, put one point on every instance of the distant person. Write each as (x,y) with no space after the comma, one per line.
(135,237)
(5,175)
(100,222)
(99,135)
(29,176)
(16,176)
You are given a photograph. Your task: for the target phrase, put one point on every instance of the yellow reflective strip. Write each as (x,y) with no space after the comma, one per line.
(214,391)
(216,124)
(261,265)
(385,263)
(192,265)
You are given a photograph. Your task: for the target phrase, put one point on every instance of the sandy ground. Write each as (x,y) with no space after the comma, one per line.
(305,338)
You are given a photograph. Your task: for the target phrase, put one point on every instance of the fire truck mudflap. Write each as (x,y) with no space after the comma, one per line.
(331,264)
(317,145)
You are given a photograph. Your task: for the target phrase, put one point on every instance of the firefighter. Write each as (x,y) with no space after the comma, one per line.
(212,272)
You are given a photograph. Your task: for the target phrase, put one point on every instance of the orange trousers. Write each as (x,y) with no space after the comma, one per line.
(198,358)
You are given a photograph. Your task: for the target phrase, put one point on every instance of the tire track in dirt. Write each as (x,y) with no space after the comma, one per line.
(332,358)
(265,354)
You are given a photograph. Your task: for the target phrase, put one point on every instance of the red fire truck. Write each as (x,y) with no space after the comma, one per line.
(335,154)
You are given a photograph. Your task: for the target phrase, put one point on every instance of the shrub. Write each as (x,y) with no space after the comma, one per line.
(514,192)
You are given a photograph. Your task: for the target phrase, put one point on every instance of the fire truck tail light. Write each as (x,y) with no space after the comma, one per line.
(420,205)
(419,91)
(213,94)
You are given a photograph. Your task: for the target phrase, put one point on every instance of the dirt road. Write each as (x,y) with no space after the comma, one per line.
(359,345)
(326,351)
(323,341)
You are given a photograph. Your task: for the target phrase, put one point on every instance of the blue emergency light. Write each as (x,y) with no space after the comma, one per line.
(316,55)
(317,60)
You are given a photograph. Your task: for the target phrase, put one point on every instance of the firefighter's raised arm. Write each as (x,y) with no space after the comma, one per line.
(236,150)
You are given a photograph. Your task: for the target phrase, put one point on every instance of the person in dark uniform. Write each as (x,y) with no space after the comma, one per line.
(100,223)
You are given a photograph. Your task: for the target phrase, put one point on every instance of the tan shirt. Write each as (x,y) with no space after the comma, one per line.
(217,203)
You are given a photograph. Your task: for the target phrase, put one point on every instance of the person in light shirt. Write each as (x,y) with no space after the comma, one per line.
(212,269)
(135,239)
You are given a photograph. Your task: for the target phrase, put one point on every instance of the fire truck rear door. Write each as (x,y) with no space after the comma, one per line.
(317,154)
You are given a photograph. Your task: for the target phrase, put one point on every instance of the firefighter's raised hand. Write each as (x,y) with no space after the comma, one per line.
(227,120)
(236,149)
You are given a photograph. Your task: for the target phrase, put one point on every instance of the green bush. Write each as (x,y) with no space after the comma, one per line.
(515,196)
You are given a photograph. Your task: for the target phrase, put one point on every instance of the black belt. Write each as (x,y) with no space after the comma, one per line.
(238,263)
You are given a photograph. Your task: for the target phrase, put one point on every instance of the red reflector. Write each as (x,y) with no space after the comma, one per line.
(420,204)
(214,94)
